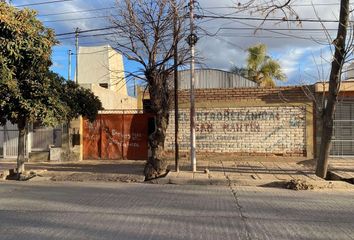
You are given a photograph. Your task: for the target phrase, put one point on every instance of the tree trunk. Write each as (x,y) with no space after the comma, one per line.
(21,124)
(334,86)
(159,98)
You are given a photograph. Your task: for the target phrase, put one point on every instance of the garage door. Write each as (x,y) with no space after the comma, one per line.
(343,135)
(116,136)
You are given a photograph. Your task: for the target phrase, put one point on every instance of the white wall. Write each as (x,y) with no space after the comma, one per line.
(112,101)
(102,64)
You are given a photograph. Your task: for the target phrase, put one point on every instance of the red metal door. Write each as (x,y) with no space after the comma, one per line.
(116,136)
(92,139)
(111,136)
(135,134)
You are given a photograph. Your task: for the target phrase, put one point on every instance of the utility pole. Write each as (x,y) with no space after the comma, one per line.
(192,40)
(134,87)
(69,65)
(77,54)
(175,71)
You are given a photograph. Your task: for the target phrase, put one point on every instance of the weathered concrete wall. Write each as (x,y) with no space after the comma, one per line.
(259,130)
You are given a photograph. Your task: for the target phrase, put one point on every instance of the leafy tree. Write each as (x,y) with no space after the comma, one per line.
(26,91)
(81,101)
(144,29)
(261,68)
(7,86)
(78,100)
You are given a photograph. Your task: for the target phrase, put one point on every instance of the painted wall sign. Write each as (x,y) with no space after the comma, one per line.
(252,129)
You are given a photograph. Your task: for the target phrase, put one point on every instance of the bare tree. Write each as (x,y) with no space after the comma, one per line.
(342,48)
(144,34)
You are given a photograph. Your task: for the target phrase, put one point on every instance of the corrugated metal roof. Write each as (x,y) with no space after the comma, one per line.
(213,78)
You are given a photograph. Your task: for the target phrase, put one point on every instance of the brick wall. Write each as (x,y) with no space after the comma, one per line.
(279,94)
(251,120)
(258,130)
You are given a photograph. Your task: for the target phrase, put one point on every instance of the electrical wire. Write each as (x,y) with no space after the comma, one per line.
(293,5)
(86,31)
(93,35)
(77,19)
(268,19)
(229,7)
(75,12)
(42,3)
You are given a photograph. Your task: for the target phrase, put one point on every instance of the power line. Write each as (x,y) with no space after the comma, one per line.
(223,28)
(260,37)
(211,17)
(272,31)
(218,34)
(42,3)
(112,7)
(85,31)
(75,12)
(99,29)
(233,18)
(93,35)
(89,18)
(293,5)
(265,37)
(76,19)
(279,29)
(268,19)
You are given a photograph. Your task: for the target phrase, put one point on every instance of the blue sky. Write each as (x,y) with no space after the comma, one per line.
(303,59)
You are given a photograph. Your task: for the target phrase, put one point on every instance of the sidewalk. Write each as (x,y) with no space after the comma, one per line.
(342,169)
(240,170)
(83,171)
(250,171)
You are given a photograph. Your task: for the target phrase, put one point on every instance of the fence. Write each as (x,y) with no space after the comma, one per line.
(8,141)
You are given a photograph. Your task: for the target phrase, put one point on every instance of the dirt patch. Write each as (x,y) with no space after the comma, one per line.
(86,177)
(301,185)
(11,174)
(298,184)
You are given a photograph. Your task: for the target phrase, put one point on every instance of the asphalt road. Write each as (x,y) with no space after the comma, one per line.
(64,210)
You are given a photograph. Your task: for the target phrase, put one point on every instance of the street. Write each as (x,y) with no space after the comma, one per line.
(67,210)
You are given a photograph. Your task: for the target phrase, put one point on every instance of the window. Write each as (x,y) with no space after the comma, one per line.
(104,85)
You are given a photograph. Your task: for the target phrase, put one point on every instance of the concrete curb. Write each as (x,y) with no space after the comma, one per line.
(340,176)
(317,184)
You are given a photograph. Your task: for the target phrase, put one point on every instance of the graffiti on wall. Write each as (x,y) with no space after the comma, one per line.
(230,115)
(123,139)
(251,129)
(116,136)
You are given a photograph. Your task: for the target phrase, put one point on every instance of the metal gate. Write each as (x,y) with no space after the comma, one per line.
(44,137)
(8,141)
(116,136)
(343,135)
